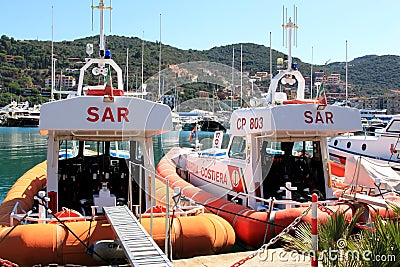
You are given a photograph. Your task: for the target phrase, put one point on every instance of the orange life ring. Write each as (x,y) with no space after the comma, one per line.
(157,209)
(301,101)
(69,213)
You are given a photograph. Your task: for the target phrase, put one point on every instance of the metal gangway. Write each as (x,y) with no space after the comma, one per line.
(139,247)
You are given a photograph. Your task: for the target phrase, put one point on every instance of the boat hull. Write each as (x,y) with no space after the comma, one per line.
(21,122)
(253,227)
(44,244)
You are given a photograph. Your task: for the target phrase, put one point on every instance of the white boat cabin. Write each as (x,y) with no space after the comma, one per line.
(93,139)
(271,146)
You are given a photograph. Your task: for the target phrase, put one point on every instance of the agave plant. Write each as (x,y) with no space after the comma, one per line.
(380,247)
(333,237)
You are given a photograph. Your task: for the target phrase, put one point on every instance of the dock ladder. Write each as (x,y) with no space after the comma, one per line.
(138,245)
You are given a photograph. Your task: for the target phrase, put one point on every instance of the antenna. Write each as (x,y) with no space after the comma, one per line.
(142,62)
(92,13)
(311,74)
(283,23)
(102,7)
(241,75)
(289,26)
(233,77)
(127,68)
(270,55)
(110,13)
(286,29)
(295,22)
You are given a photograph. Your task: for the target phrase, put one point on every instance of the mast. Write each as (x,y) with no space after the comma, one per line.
(159,67)
(52,56)
(270,55)
(61,82)
(233,79)
(142,63)
(102,43)
(346,73)
(311,80)
(241,76)
(102,7)
(290,25)
(127,68)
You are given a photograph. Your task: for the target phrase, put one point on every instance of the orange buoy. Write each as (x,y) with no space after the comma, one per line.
(74,215)
(251,226)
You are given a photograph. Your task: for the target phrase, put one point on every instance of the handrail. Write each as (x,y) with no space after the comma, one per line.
(280,201)
(167,204)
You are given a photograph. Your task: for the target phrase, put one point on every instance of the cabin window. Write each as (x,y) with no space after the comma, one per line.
(348,145)
(119,149)
(394,127)
(238,148)
(95,147)
(364,147)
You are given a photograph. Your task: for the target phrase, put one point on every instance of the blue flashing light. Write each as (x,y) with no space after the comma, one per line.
(107,54)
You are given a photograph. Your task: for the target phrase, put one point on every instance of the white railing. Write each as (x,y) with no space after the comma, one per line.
(273,201)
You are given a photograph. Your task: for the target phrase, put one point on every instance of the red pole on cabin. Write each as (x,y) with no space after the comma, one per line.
(314,229)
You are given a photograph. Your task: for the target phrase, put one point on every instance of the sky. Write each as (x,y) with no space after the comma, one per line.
(370,27)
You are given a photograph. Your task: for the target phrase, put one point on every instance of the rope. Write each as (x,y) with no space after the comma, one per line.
(90,250)
(90,227)
(392,152)
(239,215)
(178,197)
(274,239)
(12,229)
(7,263)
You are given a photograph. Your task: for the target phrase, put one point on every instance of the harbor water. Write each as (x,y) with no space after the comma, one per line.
(23,148)
(20,150)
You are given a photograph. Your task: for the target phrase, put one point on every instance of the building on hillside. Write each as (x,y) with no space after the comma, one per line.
(393,102)
(333,79)
(63,80)
(9,59)
(318,76)
(261,76)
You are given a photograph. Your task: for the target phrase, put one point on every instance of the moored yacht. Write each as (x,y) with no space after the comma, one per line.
(369,160)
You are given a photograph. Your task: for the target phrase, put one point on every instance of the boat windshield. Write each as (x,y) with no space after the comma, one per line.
(238,148)
(394,126)
(94,147)
(299,148)
(68,149)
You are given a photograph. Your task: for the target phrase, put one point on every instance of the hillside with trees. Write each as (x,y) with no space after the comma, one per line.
(25,64)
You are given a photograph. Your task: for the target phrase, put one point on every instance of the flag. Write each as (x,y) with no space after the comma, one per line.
(108,90)
(193,133)
(321,95)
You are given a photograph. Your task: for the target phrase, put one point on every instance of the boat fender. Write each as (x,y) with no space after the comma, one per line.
(109,250)
(392,149)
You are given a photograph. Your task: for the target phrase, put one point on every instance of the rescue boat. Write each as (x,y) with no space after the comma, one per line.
(276,158)
(55,213)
